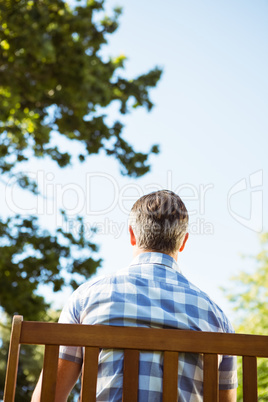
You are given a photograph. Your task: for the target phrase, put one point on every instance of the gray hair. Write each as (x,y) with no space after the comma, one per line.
(159,221)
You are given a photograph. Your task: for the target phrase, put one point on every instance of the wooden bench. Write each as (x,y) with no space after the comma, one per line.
(132,340)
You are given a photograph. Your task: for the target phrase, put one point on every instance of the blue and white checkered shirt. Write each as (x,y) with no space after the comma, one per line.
(151,292)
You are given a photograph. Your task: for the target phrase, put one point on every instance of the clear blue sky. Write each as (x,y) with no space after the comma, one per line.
(210,119)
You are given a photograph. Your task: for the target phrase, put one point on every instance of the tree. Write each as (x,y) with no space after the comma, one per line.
(250,299)
(56,83)
(53,77)
(30,256)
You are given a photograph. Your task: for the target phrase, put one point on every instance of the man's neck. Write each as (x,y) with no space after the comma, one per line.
(137,251)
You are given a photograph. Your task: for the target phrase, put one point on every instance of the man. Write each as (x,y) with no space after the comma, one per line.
(151,292)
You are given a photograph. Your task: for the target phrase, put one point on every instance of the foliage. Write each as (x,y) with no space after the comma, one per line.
(30,256)
(53,77)
(250,299)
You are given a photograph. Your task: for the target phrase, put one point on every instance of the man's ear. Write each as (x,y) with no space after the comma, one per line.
(132,236)
(184,242)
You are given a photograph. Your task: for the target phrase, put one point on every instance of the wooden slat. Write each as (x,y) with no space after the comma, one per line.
(144,339)
(170,377)
(13,359)
(250,385)
(89,375)
(211,378)
(131,376)
(50,368)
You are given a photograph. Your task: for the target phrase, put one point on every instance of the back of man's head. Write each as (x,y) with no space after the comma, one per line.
(159,221)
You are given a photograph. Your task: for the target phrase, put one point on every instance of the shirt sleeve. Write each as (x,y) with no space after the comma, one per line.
(228,373)
(71,315)
(228,365)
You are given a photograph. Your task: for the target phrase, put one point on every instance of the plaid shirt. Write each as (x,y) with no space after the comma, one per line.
(151,292)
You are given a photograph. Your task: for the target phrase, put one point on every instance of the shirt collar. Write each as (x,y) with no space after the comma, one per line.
(156,258)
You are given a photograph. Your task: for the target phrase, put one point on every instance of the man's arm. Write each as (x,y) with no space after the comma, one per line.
(68,373)
(227,395)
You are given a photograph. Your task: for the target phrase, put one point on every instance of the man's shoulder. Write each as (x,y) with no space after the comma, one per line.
(215,309)
(209,309)
(98,280)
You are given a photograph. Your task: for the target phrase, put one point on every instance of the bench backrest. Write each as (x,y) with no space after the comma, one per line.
(132,340)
